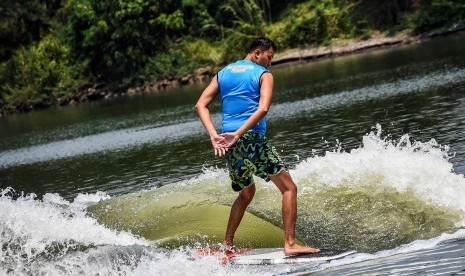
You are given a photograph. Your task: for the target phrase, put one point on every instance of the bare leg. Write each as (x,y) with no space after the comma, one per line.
(237,212)
(288,189)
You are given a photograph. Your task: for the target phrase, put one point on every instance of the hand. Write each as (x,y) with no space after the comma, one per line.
(219,145)
(230,138)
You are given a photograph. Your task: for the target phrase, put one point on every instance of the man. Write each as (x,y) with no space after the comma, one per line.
(246,89)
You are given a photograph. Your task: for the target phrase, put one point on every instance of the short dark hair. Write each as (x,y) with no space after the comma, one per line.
(263,44)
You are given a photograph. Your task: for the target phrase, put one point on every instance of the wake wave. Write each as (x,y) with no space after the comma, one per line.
(386,197)
(381,195)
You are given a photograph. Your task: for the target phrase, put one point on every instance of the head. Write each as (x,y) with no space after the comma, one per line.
(261,51)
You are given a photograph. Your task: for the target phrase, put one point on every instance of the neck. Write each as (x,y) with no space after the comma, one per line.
(249,57)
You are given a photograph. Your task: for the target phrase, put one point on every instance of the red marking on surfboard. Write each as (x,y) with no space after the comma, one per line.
(223,256)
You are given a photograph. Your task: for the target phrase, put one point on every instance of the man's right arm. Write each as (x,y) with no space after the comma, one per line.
(207,97)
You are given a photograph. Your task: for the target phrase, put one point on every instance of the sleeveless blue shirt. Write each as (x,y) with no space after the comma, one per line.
(239,85)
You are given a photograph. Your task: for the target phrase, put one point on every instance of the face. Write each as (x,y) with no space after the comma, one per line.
(264,57)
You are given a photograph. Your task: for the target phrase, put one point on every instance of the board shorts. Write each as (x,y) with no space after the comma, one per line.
(252,155)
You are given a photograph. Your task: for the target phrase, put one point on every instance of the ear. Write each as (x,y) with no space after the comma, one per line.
(257,53)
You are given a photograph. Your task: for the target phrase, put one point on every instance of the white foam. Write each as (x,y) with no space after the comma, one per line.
(139,262)
(415,246)
(30,227)
(56,237)
(420,167)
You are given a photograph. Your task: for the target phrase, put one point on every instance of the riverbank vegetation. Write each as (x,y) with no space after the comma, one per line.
(53,50)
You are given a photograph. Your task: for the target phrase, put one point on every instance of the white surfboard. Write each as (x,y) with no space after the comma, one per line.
(276,256)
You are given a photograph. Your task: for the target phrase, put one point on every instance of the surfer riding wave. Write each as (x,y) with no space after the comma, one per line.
(246,89)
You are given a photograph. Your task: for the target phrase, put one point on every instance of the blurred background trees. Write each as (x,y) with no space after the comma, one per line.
(50,49)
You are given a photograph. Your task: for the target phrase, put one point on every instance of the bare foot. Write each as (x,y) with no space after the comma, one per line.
(227,248)
(299,249)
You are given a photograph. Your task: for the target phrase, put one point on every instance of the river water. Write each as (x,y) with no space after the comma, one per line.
(130,186)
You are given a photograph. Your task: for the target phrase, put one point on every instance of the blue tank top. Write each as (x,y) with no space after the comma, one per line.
(239,85)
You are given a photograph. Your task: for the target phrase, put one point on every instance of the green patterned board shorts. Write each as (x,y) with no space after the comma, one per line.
(252,155)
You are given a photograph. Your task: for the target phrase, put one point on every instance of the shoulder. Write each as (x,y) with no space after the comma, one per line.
(227,68)
(259,67)
(266,77)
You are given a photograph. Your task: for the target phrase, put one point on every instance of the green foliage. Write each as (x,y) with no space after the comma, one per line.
(182,59)
(380,14)
(312,23)
(39,73)
(439,15)
(47,44)
(247,18)
(3,80)
(309,28)
(115,38)
(24,22)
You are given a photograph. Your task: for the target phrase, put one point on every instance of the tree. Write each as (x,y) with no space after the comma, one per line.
(24,22)
(114,38)
(381,14)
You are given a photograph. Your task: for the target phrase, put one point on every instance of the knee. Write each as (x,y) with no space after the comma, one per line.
(292,188)
(289,190)
(247,194)
(285,183)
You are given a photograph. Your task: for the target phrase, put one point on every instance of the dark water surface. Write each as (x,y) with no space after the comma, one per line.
(375,142)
